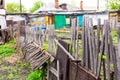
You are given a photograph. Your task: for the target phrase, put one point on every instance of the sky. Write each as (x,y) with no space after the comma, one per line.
(87,4)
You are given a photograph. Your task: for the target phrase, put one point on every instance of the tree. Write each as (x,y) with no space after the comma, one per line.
(113,4)
(38,4)
(15,7)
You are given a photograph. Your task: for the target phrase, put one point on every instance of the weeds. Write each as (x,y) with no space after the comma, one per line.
(7,49)
(35,75)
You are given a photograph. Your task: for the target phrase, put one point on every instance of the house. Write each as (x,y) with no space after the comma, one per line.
(54,12)
(112,16)
(103,15)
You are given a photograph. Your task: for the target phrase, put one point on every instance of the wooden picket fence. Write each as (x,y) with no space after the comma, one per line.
(100,57)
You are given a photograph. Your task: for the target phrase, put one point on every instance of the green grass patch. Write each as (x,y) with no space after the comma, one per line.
(7,49)
(10,76)
(9,69)
(35,75)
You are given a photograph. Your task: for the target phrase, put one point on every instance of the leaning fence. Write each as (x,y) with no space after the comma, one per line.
(95,58)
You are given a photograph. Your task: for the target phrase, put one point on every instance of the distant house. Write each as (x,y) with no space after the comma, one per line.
(52,8)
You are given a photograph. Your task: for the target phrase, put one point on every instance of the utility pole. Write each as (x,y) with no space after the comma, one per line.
(20,6)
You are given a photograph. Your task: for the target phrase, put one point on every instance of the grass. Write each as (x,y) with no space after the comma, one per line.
(11,71)
(7,49)
(35,75)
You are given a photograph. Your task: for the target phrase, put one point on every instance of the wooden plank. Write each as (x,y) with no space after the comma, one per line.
(50,38)
(76,40)
(93,48)
(118,55)
(98,43)
(100,56)
(54,71)
(104,69)
(106,49)
(90,45)
(64,50)
(113,54)
(83,43)
(86,46)
(73,35)
(58,69)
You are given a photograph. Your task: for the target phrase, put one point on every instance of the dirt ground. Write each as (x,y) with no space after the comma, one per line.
(13,68)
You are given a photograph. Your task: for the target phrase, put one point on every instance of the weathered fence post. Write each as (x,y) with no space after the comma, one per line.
(98,43)
(118,55)
(90,52)
(107,50)
(74,36)
(83,42)
(50,38)
(86,44)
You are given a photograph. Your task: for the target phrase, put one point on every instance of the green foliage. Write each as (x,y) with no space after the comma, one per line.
(35,75)
(10,76)
(1,62)
(38,4)
(114,4)
(115,40)
(15,7)
(7,49)
(12,41)
(104,57)
(45,46)
(114,33)
(27,65)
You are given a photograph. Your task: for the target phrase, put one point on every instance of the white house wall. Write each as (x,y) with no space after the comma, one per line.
(95,17)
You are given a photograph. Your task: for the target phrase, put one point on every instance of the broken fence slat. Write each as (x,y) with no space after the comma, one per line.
(64,49)
(54,71)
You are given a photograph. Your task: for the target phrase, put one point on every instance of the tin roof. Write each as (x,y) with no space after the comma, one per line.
(51,8)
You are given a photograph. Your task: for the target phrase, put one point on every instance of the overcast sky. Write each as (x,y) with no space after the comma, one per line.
(86,3)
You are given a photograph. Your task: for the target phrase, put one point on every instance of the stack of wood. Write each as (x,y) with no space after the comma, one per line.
(36,55)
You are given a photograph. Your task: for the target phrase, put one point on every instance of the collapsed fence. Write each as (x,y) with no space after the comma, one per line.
(99,58)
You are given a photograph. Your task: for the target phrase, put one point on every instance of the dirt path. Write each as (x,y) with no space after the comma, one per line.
(13,68)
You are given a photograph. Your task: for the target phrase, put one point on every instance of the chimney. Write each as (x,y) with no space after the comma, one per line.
(56,4)
(81,5)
